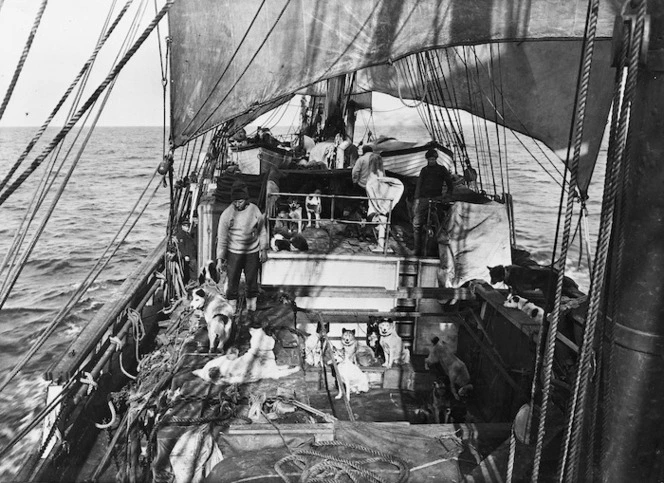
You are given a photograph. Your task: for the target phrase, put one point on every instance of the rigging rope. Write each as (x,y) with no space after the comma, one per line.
(86,67)
(572,167)
(66,391)
(91,100)
(230,61)
(523,126)
(498,115)
(619,85)
(13,277)
(85,285)
(44,185)
(24,56)
(18,267)
(615,165)
(244,71)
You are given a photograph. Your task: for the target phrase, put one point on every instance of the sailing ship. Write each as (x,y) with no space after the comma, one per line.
(548,395)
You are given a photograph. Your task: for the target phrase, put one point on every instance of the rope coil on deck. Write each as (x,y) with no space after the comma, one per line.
(332,468)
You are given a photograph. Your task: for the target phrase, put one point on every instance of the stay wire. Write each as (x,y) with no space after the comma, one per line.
(24,56)
(9,283)
(228,65)
(85,285)
(451,89)
(251,61)
(472,119)
(502,107)
(516,134)
(86,68)
(495,104)
(91,100)
(523,126)
(48,179)
(485,122)
(457,131)
(11,279)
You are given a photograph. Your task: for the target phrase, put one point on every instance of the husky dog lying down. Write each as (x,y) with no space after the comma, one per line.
(256,364)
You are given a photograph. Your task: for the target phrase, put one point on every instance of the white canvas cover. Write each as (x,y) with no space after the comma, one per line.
(478,237)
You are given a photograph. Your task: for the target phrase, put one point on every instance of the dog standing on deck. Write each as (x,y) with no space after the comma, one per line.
(349,345)
(295,214)
(218,315)
(392,343)
(313,205)
(453,367)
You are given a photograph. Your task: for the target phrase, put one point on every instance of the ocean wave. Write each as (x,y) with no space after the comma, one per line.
(19,404)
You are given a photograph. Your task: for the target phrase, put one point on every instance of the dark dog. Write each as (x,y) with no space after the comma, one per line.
(524,279)
(359,230)
(373,338)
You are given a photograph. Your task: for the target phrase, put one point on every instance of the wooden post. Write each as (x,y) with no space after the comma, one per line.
(635,421)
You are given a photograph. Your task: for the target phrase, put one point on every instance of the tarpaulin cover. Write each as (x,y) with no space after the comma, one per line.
(478,237)
(229,58)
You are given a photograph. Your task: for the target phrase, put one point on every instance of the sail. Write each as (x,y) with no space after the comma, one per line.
(229,57)
(515,85)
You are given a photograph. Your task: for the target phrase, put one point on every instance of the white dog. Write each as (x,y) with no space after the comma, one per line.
(313,205)
(218,315)
(454,367)
(351,376)
(534,311)
(295,214)
(515,302)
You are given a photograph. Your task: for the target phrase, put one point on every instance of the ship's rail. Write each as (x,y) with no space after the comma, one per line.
(93,341)
(333,200)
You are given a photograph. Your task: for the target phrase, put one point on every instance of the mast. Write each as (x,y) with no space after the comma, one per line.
(634,448)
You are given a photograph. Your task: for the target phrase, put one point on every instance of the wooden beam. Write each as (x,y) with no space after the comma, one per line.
(375,292)
(493,356)
(518,319)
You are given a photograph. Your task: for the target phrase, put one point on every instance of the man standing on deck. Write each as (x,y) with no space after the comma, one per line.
(360,171)
(242,245)
(429,186)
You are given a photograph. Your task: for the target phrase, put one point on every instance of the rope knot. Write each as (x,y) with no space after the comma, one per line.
(89,380)
(119,343)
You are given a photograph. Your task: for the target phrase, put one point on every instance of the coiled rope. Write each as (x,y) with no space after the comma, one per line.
(24,56)
(614,165)
(64,97)
(88,104)
(572,166)
(351,468)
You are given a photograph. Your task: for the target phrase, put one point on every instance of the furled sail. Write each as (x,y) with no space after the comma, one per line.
(230,57)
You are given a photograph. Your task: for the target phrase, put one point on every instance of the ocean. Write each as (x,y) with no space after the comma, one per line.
(112,173)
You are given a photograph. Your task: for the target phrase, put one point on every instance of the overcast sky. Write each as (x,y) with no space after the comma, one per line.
(65,40)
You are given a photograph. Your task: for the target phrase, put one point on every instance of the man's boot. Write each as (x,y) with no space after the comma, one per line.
(251,310)
(417,243)
(233,305)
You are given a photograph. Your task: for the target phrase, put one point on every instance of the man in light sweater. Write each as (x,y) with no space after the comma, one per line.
(242,245)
